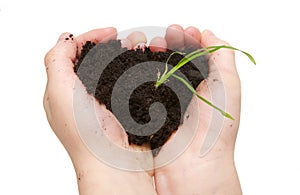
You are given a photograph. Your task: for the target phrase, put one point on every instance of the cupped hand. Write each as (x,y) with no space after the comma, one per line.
(211,171)
(190,173)
(93,175)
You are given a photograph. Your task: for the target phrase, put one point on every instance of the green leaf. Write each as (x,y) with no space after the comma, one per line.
(175,52)
(233,48)
(189,57)
(227,115)
(166,68)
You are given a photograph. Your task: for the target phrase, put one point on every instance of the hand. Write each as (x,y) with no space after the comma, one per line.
(215,172)
(93,176)
(189,174)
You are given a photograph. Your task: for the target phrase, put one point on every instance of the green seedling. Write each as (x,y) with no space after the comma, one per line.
(187,58)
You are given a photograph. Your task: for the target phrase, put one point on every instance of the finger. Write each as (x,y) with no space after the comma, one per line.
(59,61)
(223,75)
(175,37)
(96,36)
(158,44)
(138,39)
(192,37)
(126,43)
(224,59)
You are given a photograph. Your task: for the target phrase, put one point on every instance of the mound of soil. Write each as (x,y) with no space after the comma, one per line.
(105,63)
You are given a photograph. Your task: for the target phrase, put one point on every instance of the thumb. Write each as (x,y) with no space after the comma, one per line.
(223,80)
(59,61)
(224,59)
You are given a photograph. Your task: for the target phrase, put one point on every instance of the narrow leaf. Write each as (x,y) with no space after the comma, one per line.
(227,115)
(233,48)
(159,82)
(189,57)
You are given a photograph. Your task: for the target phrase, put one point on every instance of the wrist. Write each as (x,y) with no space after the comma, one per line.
(219,176)
(211,174)
(95,177)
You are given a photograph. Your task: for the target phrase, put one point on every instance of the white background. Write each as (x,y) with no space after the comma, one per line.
(33,161)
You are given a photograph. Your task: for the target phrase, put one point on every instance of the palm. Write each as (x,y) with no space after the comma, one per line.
(70,109)
(190,172)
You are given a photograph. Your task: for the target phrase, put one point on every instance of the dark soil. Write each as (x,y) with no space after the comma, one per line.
(99,72)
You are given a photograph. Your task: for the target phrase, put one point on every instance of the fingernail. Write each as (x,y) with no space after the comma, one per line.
(137,37)
(125,43)
(65,37)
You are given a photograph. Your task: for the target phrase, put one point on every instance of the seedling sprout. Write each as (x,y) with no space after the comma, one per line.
(189,57)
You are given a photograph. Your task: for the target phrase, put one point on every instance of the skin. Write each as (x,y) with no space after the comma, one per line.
(158,44)
(214,173)
(93,176)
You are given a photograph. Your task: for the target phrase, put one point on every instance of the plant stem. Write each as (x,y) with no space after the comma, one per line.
(189,57)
